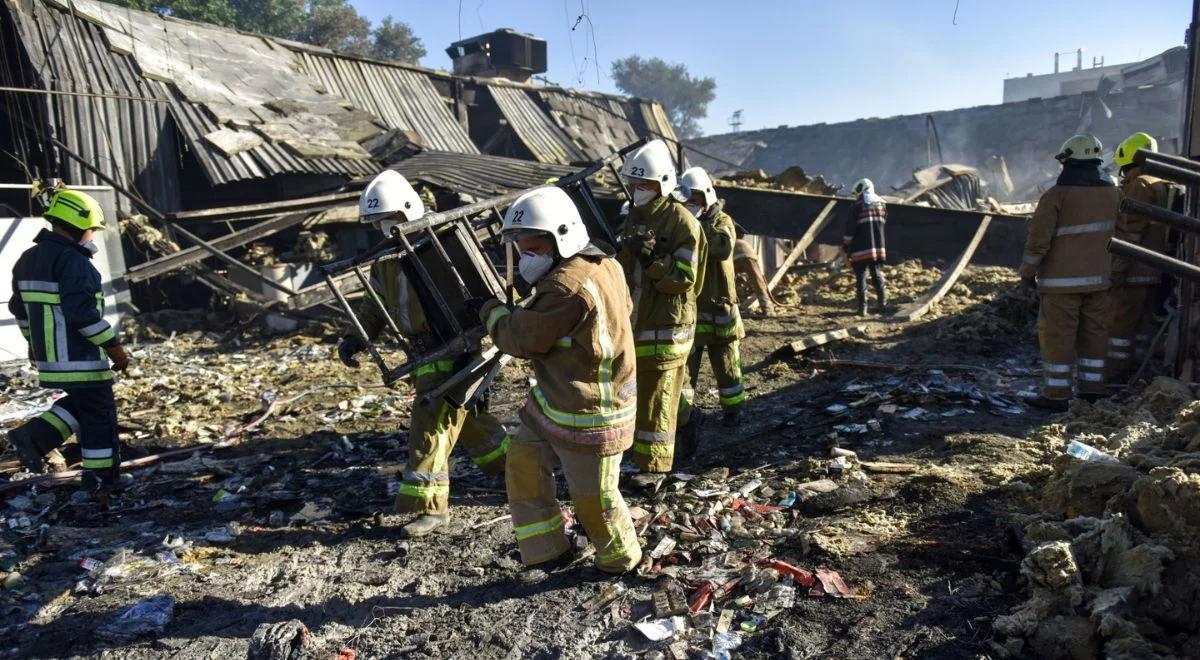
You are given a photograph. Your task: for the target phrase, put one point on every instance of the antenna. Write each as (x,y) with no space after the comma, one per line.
(735,121)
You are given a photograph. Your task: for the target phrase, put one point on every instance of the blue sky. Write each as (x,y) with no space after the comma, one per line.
(803,62)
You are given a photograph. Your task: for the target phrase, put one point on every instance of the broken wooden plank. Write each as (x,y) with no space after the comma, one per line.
(194,254)
(233,212)
(821,338)
(822,220)
(922,305)
(889,468)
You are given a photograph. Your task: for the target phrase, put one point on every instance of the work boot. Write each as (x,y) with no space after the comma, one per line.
(1053,405)
(424,525)
(883,305)
(27,450)
(687,440)
(731,418)
(1091,397)
(862,308)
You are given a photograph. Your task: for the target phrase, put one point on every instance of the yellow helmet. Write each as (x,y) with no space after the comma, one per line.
(77,209)
(1126,150)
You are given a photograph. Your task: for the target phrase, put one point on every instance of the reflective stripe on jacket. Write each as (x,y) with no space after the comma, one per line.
(575,329)
(665,291)
(59,306)
(717,314)
(1068,238)
(865,236)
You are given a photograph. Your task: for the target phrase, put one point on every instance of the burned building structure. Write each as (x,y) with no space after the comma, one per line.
(206,133)
(1011,143)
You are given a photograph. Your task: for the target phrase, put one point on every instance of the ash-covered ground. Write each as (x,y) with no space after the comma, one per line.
(884,496)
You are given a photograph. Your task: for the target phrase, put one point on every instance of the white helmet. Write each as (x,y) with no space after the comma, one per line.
(388,194)
(863,186)
(1084,146)
(695,179)
(652,162)
(547,210)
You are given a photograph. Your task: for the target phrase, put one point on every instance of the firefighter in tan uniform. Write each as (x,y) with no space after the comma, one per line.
(435,426)
(663,255)
(718,320)
(575,330)
(1134,283)
(1067,252)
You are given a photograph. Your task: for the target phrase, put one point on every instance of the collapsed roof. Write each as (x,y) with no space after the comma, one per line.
(137,94)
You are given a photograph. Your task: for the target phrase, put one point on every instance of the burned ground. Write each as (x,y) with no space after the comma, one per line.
(289,523)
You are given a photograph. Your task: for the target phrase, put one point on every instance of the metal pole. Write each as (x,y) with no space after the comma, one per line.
(366,284)
(362,333)
(1180,269)
(1159,214)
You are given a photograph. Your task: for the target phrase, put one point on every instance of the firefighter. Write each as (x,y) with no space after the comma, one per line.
(718,321)
(59,307)
(864,242)
(662,254)
(580,414)
(1134,283)
(435,426)
(1067,252)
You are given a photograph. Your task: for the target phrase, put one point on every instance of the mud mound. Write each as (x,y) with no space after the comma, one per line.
(1110,562)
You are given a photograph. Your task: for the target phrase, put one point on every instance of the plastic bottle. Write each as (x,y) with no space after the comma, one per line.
(1089,453)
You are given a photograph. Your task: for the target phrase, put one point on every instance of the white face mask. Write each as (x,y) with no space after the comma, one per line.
(643,197)
(694,209)
(534,266)
(90,246)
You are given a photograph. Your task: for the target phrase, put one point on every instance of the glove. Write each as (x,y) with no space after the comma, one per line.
(1027,270)
(645,251)
(1028,283)
(350,346)
(120,359)
(474,306)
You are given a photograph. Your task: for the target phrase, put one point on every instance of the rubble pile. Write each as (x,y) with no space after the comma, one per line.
(793,178)
(189,389)
(1111,557)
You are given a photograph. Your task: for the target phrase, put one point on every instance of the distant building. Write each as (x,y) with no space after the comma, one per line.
(1167,65)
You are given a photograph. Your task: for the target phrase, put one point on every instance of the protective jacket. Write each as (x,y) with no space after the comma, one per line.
(717,314)
(665,290)
(1139,230)
(864,237)
(576,331)
(59,307)
(1069,232)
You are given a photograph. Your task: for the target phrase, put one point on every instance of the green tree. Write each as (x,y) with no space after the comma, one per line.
(336,25)
(684,98)
(217,12)
(394,40)
(278,18)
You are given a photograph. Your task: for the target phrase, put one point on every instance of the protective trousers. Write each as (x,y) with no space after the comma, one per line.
(659,413)
(1072,334)
(726,361)
(434,428)
(860,280)
(1127,310)
(90,413)
(592,481)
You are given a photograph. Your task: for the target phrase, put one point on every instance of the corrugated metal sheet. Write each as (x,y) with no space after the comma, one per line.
(597,124)
(132,141)
(403,98)
(537,131)
(482,176)
(653,119)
